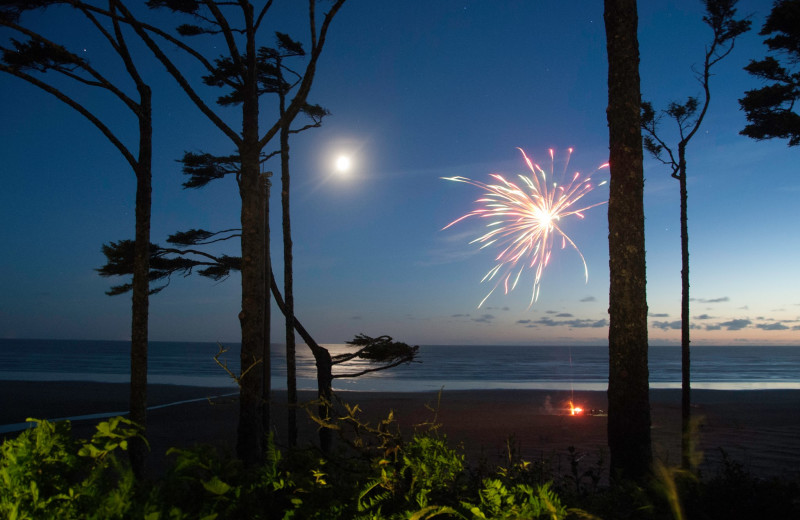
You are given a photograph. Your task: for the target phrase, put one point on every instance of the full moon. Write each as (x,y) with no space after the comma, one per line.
(342,163)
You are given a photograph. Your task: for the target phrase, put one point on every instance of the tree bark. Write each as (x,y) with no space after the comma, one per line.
(140,300)
(254,297)
(628,386)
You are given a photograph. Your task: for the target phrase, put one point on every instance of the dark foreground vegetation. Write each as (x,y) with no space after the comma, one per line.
(374,474)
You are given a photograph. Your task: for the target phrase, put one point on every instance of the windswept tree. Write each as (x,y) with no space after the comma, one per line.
(687,118)
(628,386)
(240,73)
(771,110)
(36,59)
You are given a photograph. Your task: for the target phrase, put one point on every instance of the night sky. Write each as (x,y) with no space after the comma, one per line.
(418,91)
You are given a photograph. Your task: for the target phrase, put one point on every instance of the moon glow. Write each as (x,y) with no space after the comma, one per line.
(343,163)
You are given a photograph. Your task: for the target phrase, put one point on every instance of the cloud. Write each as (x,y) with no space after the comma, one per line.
(772,326)
(524,322)
(667,325)
(497,308)
(711,300)
(588,299)
(564,315)
(576,323)
(713,327)
(459,315)
(735,324)
(703,317)
(484,318)
(658,315)
(355,317)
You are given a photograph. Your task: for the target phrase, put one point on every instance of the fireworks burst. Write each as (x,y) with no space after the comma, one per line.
(524,221)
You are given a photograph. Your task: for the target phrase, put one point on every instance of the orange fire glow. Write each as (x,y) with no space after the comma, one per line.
(575,410)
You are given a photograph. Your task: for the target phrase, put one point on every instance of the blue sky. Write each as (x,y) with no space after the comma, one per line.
(417,91)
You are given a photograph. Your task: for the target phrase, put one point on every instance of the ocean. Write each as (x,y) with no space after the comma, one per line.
(439,366)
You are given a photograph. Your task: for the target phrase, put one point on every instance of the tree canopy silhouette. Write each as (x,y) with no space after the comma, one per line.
(771,111)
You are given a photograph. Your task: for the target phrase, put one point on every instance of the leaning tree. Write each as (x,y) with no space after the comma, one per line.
(687,118)
(186,255)
(31,60)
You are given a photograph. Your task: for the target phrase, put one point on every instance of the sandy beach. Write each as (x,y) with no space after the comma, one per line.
(759,429)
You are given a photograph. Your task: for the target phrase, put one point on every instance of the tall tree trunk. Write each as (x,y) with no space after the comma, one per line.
(288,287)
(254,296)
(686,385)
(252,316)
(628,386)
(141,286)
(266,366)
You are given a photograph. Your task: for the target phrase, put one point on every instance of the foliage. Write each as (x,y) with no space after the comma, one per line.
(45,473)
(382,349)
(689,115)
(771,109)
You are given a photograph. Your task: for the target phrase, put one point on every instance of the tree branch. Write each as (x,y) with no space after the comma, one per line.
(173,70)
(78,107)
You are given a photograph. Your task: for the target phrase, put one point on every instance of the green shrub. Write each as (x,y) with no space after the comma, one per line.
(45,473)
(518,501)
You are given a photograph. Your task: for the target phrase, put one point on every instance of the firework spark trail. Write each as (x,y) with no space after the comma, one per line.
(525,221)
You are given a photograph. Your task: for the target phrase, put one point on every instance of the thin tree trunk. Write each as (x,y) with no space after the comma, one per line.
(141,286)
(628,387)
(266,366)
(288,288)
(686,385)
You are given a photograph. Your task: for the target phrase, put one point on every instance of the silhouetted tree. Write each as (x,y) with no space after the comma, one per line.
(719,16)
(316,113)
(277,78)
(771,109)
(244,73)
(628,386)
(30,60)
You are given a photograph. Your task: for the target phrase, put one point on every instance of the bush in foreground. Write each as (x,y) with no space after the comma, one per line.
(45,473)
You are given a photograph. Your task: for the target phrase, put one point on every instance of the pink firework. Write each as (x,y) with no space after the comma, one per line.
(524,221)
